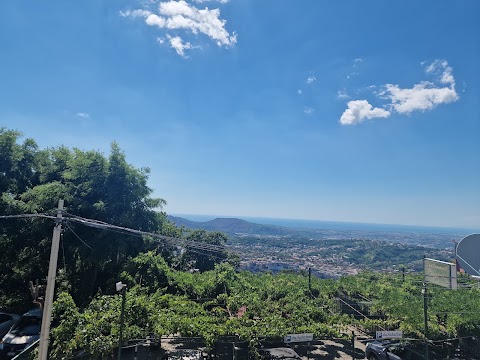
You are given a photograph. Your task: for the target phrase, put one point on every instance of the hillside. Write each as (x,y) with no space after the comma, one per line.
(232,226)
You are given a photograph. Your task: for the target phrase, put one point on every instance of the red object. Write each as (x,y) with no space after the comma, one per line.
(241,311)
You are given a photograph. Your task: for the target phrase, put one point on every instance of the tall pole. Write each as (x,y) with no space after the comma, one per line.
(52,272)
(425,318)
(120,340)
(310,280)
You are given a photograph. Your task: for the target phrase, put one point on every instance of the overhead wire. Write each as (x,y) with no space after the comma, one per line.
(167,239)
(207,249)
(78,237)
(26,216)
(201,247)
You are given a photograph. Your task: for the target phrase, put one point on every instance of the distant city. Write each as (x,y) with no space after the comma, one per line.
(328,249)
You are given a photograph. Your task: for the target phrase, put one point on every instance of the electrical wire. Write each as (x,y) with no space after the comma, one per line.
(162,238)
(78,237)
(206,249)
(26,216)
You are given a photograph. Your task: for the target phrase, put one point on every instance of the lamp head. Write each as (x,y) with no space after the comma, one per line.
(119,286)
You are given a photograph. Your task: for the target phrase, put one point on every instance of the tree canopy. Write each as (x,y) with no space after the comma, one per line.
(95,186)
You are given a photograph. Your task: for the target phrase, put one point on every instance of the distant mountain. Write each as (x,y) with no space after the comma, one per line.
(232,226)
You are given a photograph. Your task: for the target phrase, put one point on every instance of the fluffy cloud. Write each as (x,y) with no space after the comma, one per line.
(361,110)
(180,15)
(311,79)
(441,67)
(177,43)
(423,96)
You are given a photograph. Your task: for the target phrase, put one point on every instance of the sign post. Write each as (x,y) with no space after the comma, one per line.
(293,338)
(441,273)
(389,334)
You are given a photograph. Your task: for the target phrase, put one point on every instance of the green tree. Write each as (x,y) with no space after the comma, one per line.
(93,186)
(204,260)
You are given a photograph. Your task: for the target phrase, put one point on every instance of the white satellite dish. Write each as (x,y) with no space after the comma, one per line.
(467,253)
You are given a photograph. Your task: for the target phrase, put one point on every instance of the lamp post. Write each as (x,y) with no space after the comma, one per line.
(425,318)
(123,289)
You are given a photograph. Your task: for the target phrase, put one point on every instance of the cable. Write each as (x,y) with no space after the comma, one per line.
(167,239)
(222,250)
(25,216)
(63,251)
(78,237)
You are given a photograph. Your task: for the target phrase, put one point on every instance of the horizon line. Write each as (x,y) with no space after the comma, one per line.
(243,217)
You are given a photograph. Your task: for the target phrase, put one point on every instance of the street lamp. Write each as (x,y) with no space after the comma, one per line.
(120,287)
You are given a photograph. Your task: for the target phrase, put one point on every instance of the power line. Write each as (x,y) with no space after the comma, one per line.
(172,241)
(25,216)
(78,237)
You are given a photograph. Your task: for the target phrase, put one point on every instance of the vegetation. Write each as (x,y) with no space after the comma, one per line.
(252,306)
(175,291)
(108,189)
(207,304)
(451,313)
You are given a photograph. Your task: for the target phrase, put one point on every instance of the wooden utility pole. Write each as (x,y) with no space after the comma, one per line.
(52,272)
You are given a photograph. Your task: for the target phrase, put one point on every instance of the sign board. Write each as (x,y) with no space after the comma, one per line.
(291,338)
(389,334)
(467,253)
(441,273)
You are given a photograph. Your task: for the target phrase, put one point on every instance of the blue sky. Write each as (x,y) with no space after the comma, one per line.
(362,111)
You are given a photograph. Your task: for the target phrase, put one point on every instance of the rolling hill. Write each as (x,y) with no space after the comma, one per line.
(232,226)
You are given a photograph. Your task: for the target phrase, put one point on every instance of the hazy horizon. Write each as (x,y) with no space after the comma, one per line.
(334,225)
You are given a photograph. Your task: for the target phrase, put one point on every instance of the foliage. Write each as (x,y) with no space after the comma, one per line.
(205,260)
(198,304)
(94,186)
(451,313)
(166,295)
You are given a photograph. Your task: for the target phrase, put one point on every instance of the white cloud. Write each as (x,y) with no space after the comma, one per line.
(311,79)
(135,13)
(299,92)
(177,43)
(204,1)
(155,20)
(355,66)
(308,110)
(356,62)
(423,96)
(342,94)
(361,110)
(441,67)
(83,115)
(180,15)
